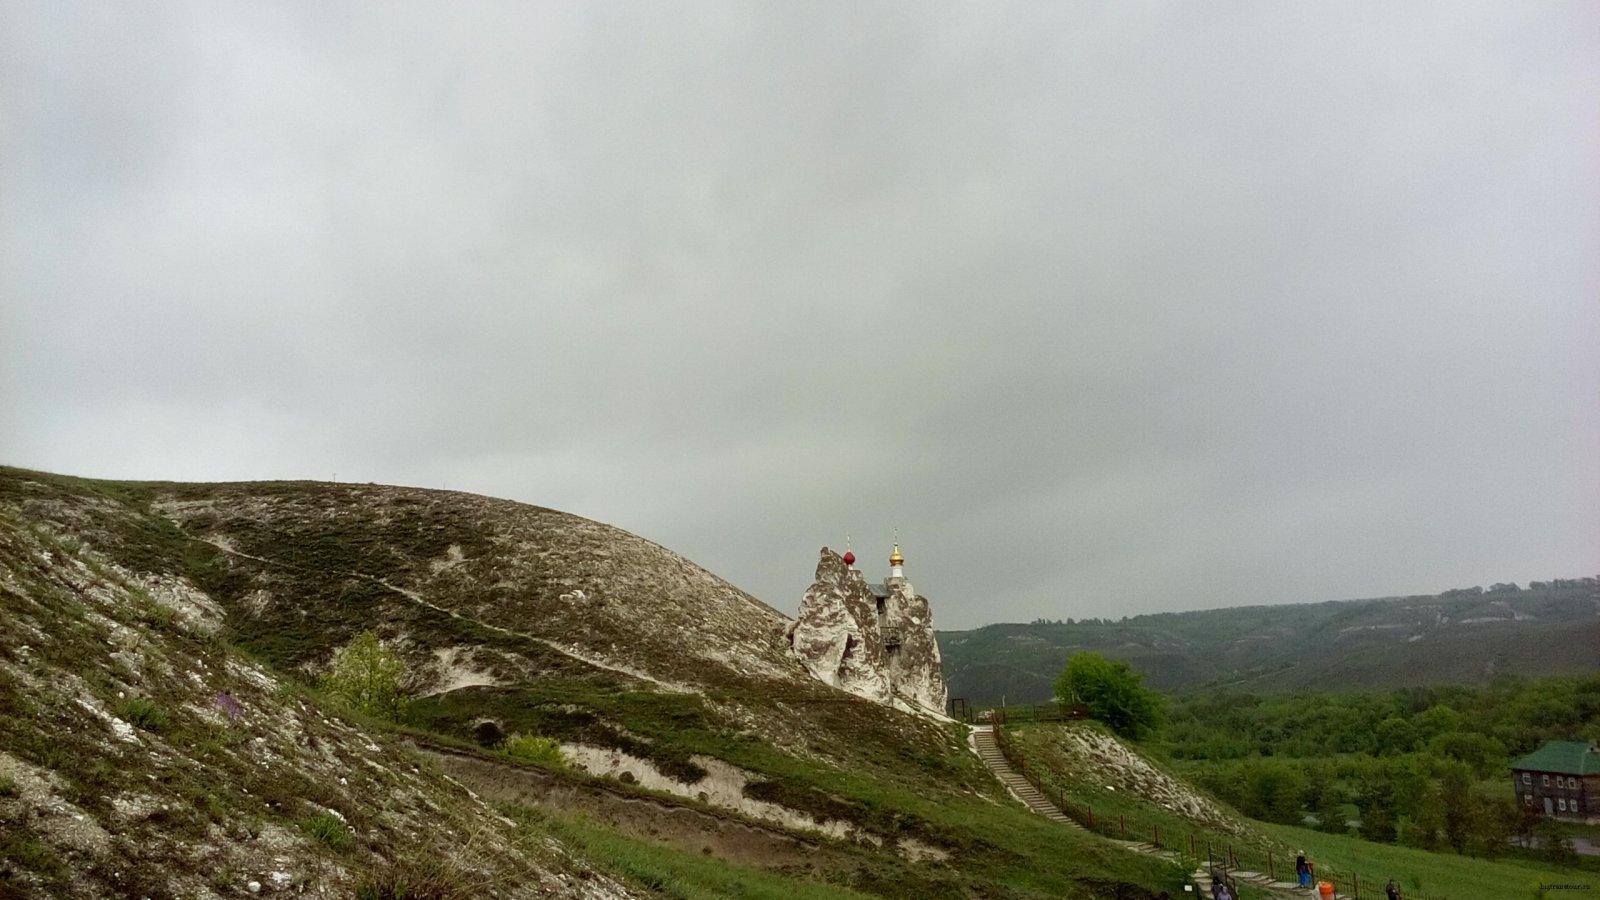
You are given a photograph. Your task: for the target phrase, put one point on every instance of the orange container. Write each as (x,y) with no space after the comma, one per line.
(1326,890)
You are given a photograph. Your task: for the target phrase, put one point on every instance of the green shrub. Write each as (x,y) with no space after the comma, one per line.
(142,713)
(222,880)
(1112,691)
(29,851)
(532,748)
(8,786)
(409,881)
(159,616)
(328,829)
(367,678)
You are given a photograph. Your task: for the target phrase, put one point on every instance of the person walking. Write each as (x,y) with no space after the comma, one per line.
(1392,890)
(1302,869)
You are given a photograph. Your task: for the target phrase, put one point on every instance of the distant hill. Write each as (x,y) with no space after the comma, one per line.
(1463,636)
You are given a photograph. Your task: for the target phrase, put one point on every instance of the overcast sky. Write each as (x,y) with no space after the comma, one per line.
(1109,308)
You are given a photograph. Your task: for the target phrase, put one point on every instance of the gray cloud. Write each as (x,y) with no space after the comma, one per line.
(1109,308)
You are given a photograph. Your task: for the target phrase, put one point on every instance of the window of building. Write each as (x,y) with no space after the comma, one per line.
(1526,778)
(1572,783)
(1562,804)
(1527,798)
(1546,780)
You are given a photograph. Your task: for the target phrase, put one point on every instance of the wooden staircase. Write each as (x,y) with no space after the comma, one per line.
(989,752)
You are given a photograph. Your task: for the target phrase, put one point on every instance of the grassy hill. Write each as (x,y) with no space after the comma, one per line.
(161,734)
(1420,873)
(1456,637)
(1122,790)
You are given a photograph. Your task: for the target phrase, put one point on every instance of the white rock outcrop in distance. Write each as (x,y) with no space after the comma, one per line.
(840,635)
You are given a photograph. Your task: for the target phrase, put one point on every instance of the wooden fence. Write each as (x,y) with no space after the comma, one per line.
(1035,712)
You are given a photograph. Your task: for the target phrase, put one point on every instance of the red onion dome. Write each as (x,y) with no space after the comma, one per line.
(849,558)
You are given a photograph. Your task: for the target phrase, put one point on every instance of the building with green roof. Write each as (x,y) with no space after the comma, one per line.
(1560,780)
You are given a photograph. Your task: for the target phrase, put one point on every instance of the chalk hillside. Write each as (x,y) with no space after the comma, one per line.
(162,732)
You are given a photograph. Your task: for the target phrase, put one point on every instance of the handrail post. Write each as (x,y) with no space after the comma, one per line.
(1122,825)
(1158,836)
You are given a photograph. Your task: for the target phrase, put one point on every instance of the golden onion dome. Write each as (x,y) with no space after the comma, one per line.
(895,559)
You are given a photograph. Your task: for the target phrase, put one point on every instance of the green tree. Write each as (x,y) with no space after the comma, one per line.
(1113,693)
(1439,719)
(1273,790)
(1459,812)
(366,677)
(1377,821)
(1413,789)
(1523,827)
(1395,735)
(1485,755)
(1330,812)
(1422,827)
(1555,843)
(1497,819)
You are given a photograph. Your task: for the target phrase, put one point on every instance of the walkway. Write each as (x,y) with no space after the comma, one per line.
(989,751)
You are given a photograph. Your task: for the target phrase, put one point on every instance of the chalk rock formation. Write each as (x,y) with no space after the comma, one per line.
(875,644)
(836,634)
(916,673)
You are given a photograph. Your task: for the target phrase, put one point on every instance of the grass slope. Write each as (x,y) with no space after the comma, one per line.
(1127,793)
(1148,795)
(142,756)
(1422,872)
(586,634)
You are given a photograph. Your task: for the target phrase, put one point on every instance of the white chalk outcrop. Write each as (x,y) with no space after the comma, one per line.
(873,647)
(915,670)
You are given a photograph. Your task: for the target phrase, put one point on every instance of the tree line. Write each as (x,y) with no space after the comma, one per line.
(1417,766)
(1481,726)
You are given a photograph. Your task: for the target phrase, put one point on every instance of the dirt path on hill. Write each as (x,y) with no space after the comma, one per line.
(650,820)
(415,597)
